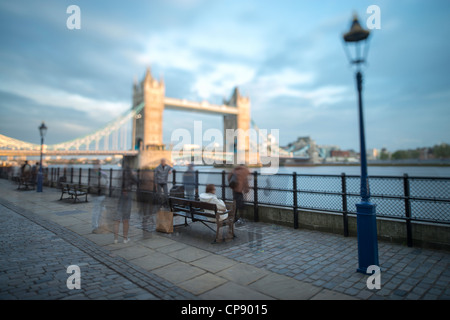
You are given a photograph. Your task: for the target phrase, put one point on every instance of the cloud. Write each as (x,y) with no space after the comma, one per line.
(50,96)
(290,83)
(222,79)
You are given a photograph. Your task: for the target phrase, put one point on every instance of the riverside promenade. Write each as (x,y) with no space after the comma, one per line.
(41,236)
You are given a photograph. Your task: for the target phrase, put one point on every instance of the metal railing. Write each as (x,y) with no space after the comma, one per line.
(407,198)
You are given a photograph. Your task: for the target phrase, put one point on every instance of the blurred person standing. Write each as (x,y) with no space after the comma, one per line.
(161,177)
(99,201)
(238,182)
(189,182)
(123,212)
(25,171)
(146,195)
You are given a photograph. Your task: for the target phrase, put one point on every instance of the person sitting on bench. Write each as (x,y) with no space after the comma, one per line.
(210,197)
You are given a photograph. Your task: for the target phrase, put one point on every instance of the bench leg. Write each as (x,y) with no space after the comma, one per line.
(218,238)
(231,234)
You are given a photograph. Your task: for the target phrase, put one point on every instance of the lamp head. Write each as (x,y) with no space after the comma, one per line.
(42,129)
(357,37)
(356,33)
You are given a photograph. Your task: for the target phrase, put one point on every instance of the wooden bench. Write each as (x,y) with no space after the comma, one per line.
(195,210)
(26,183)
(74,191)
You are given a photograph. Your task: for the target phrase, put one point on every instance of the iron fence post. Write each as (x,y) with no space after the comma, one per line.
(295,204)
(99,187)
(110,181)
(89,180)
(255,197)
(138,174)
(71,175)
(406,188)
(174,177)
(196,185)
(79,176)
(223,185)
(344,203)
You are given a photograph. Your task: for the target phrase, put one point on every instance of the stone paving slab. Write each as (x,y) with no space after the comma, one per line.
(178,272)
(189,254)
(214,263)
(285,288)
(153,260)
(155,242)
(132,252)
(242,273)
(202,283)
(332,295)
(234,291)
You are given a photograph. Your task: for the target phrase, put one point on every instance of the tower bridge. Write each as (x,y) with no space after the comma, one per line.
(144,122)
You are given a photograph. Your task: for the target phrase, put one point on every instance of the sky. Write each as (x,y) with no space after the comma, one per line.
(287,56)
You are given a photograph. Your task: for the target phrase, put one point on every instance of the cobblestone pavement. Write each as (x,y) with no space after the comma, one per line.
(35,254)
(330,261)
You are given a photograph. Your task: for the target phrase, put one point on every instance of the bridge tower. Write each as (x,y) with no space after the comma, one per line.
(147,134)
(239,122)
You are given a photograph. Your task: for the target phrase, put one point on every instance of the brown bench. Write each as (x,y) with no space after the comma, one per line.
(26,183)
(74,191)
(195,211)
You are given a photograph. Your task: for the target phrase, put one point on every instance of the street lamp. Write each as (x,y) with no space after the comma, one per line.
(356,46)
(42,131)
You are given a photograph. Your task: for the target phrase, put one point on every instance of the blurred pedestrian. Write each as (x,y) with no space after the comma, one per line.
(34,172)
(25,171)
(161,176)
(189,182)
(123,212)
(238,182)
(146,195)
(98,205)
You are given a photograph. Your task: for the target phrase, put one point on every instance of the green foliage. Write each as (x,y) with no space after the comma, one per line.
(384,155)
(441,151)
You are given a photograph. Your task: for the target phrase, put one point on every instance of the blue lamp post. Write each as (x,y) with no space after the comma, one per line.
(42,131)
(356,45)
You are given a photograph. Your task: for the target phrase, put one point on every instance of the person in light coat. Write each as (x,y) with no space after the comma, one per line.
(210,197)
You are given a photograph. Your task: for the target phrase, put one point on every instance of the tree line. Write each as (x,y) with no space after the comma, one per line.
(441,151)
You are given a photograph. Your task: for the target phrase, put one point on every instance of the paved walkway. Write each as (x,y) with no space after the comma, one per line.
(40,236)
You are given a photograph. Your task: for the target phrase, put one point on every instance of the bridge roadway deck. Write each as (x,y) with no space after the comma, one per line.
(41,236)
(9,153)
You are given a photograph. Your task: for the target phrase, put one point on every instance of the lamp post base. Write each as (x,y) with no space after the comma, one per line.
(367,236)
(39,182)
